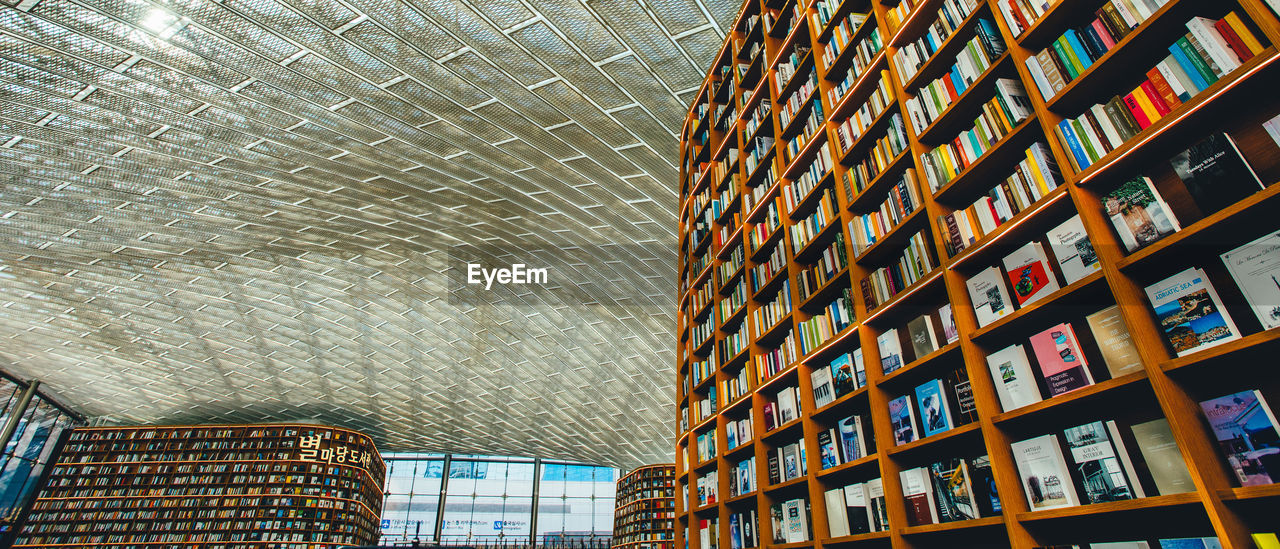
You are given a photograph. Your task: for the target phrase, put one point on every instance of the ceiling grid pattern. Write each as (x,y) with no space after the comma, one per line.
(254,210)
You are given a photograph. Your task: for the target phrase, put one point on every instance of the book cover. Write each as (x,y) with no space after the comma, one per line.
(964,406)
(1138,214)
(1163,459)
(1267,540)
(823,391)
(851,441)
(797,520)
(1011,371)
(1190,543)
(790,462)
(837,513)
(858,515)
(1256,269)
(1097,462)
(1215,173)
(1072,250)
(1190,313)
(918,495)
(1030,276)
(1045,478)
(949,331)
(986,497)
(1247,434)
(843,381)
(778,523)
(953,490)
(859,368)
(935,414)
(890,350)
(904,422)
(988,295)
(788,409)
(1112,337)
(876,504)
(1061,363)
(923,340)
(827,449)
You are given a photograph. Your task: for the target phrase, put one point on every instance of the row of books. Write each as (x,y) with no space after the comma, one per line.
(1169,543)
(1022,14)
(878,157)
(784,408)
(913,55)
(845,442)
(787,462)
(795,192)
(950,490)
(942,404)
(832,261)
(880,98)
(999,117)
(1029,274)
(700,332)
(811,127)
(1032,179)
(706,407)
(912,265)
(857,508)
(742,477)
(1198,59)
(736,386)
(903,199)
(774,311)
(770,223)
(825,10)
(738,432)
(733,343)
(764,272)
(777,359)
(788,66)
(921,335)
(837,379)
(826,214)
(708,487)
(706,446)
(977,56)
(824,325)
(743,530)
(866,52)
(732,303)
(790,521)
(798,99)
(728,268)
(1077,49)
(899,14)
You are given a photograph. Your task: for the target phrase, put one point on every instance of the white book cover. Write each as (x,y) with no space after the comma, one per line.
(876,505)
(1256,269)
(1030,276)
(1126,461)
(1073,251)
(890,350)
(1190,312)
(837,517)
(823,391)
(1045,477)
(787,409)
(1015,383)
(917,490)
(988,295)
(793,512)
(1273,126)
(949,330)
(1214,44)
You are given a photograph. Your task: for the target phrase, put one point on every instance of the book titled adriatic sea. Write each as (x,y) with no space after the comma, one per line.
(1190,312)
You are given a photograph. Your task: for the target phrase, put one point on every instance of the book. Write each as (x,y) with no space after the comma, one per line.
(1072,250)
(1190,543)
(791,462)
(1045,478)
(1273,126)
(852,443)
(857,512)
(1267,540)
(949,331)
(876,504)
(843,380)
(923,339)
(1029,273)
(837,513)
(1163,459)
(1114,341)
(964,406)
(1190,312)
(778,523)
(1138,214)
(904,422)
(935,414)
(827,449)
(953,490)
(1255,267)
(918,494)
(1061,363)
(1215,173)
(1011,372)
(890,350)
(988,295)
(823,391)
(1247,434)
(1097,459)
(985,495)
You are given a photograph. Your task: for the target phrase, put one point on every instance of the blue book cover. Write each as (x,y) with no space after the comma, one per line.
(843,379)
(904,424)
(934,414)
(1073,144)
(827,449)
(850,443)
(1247,434)
(957,81)
(731,437)
(1082,54)
(1190,543)
(1189,68)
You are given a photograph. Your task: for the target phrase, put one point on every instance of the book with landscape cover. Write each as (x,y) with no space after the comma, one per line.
(904,422)
(1190,543)
(1248,435)
(1061,363)
(1162,457)
(918,494)
(1045,478)
(1215,173)
(1015,384)
(1138,214)
(1112,337)
(1030,276)
(1098,461)
(1256,269)
(890,350)
(935,413)
(1072,250)
(953,490)
(857,512)
(1190,312)
(989,297)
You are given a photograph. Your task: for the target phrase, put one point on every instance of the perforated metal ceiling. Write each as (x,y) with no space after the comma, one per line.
(247,210)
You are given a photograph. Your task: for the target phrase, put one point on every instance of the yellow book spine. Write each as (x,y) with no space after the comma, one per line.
(1144,102)
(1266,541)
(1250,41)
(1041,182)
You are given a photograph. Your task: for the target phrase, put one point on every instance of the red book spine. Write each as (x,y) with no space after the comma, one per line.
(1103,34)
(1233,39)
(1162,86)
(1136,111)
(1156,100)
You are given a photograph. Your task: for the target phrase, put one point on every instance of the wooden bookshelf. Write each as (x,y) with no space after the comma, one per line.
(292,486)
(1167,386)
(644,516)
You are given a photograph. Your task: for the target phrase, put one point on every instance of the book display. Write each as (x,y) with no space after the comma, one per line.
(242,486)
(1002,261)
(644,515)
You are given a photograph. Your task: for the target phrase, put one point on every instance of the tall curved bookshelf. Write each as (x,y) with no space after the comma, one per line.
(793,145)
(644,515)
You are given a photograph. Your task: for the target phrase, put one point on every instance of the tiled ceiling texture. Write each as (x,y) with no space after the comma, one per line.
(245,210)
